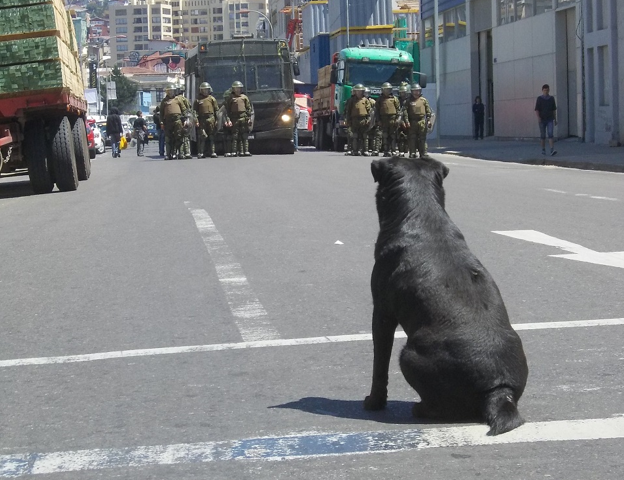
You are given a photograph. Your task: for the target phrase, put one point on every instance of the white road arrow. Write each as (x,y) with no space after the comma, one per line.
(579,253)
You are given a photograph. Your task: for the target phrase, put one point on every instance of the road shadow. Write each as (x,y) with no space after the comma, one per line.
(15,187)
(396,412)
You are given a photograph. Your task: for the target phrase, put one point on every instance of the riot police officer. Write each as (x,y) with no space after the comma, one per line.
(238,108)
(205,108)
(404,94)
(388,111)
(358,118)
(373,137)
(188,123)
(171,110)
(417,115)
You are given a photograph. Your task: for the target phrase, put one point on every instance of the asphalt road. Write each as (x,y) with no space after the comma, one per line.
(209,319)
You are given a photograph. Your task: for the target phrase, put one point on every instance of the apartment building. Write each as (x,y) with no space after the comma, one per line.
(135,23)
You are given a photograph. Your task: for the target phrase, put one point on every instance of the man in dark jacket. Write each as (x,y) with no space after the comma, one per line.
(114,130)
(546,111)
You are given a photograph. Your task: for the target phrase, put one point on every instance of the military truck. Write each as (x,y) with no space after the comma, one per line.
(42,103)
(267,71)
(370,66)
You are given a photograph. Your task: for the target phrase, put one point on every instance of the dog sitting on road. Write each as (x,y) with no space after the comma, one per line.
(462,356)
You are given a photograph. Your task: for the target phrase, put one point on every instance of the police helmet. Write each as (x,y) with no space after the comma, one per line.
(386,85)
(416,87)
(237,84)
(403,88)
(171,90)
(358,88)
(205,88)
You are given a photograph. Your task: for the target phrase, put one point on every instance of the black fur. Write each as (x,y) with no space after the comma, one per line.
(462,356)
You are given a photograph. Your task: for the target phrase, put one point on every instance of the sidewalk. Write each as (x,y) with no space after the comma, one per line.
(570,152)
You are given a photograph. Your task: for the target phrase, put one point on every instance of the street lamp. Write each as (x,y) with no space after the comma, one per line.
(260,13)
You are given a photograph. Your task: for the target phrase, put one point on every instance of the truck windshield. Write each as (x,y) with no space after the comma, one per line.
(375,74)
(255,76)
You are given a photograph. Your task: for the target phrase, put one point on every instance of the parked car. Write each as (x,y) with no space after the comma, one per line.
(102,127)
(100,147)
(91,141)
(152,133)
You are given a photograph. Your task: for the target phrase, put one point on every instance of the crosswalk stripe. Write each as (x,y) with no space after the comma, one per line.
(146,352)
(307,445)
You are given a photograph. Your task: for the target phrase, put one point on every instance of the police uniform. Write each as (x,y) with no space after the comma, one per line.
(205,108)
(238,108)
(187,125)
(417,113)
(358,117)
(171,109)
(349,129)
(388,110)
(374,133)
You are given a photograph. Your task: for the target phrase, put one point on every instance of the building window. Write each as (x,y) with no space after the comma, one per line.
(156,11)
(166,11)
(217,11)
(121,12)
(542,6)
(121,21)
(155,19)
(122,48)
(217,36)
(604,77)
(119,30)
(602,14)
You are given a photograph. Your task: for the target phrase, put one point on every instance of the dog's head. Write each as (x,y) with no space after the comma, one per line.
(406,184)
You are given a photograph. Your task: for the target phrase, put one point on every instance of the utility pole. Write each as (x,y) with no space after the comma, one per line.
(347,2)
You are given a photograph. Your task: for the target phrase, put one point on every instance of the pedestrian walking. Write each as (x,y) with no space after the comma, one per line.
(238,108)
(114,130)
(159,132)
(140,133)
(478,114)
(546,111)
(417,117)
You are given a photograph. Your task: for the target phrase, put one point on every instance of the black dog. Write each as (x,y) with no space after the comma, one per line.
(462,356)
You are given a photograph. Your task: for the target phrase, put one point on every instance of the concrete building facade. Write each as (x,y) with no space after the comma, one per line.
(135,23)
(505,50)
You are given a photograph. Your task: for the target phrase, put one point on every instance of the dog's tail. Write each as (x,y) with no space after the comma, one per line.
(501,411)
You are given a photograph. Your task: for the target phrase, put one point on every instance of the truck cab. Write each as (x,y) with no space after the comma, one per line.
(305,128)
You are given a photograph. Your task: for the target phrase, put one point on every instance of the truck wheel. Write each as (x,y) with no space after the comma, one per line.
(322,144)
(63,156)
(36,158)
(81,147)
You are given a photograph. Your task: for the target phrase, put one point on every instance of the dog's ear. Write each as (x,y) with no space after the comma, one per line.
(445,170)
(377,169)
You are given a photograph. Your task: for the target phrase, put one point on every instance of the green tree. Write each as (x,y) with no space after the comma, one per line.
(126,92)
(97,9)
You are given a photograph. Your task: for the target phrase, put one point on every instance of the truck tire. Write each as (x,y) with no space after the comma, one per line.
(63,155)
(81,147)
(35,153)
(322,143)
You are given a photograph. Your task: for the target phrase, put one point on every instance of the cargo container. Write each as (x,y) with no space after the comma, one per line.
(319,55)
(314,20)
(42,103)
(362,13)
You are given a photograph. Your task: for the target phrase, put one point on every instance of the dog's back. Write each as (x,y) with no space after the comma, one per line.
(462,355)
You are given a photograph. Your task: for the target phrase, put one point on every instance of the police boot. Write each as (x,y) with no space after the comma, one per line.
(246,148)
(234,147)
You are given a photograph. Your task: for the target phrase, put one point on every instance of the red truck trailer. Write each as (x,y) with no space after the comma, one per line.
(42,103)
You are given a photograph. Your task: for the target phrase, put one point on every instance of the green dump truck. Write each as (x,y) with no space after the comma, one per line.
(42,103)
(370,66)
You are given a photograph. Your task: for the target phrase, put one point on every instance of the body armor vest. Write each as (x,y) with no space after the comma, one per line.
(388,106)
(417,108)
(237,105)
(172,107)
(205,106)
(361,107)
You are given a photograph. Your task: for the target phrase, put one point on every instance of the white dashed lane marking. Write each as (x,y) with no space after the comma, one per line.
(250,316)
(92,357)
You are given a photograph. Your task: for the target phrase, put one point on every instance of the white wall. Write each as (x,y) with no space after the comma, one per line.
(455,110)
(524,60)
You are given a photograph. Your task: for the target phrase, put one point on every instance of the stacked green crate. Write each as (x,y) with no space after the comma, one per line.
(37,47)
